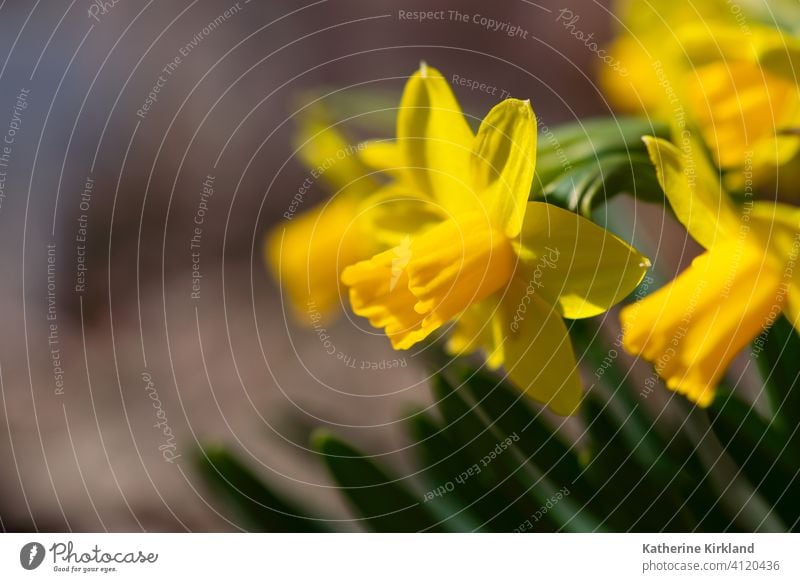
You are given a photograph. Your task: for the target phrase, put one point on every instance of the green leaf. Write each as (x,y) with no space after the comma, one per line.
(474,440)
(588,138)
(383,502)
(511,469)
(512,413)
(635,427)
(618,174)
(582,165)
(768,455)
(667,464)
(629,491)
(464,501)
(776,353)
(253,500)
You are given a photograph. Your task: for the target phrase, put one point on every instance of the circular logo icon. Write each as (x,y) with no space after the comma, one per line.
(31,555)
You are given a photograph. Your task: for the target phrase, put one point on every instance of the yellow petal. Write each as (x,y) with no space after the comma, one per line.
(503,162)
(331,157)
(479,328)
(694,193)
(307,253)
(640,65)
(657,19)
(575,264)
(629,78)
(791,307)
(741,92)
(773,50)
(384,155)
(693,328)
(739,108)
(537,353)
(780,55)
(704,44)
(394,211)
(528,337)
(778,228)
(435,140)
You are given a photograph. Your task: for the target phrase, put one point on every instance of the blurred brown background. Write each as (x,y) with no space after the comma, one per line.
(92,453)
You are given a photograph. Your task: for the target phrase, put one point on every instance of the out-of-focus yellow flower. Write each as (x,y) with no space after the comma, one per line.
(308,251)
(742,94)
(648,49)
(692,328)
(697,64)
(504,269)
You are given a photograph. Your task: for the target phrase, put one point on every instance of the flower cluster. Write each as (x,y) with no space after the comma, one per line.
(459,245)
(434,231)
(725,82)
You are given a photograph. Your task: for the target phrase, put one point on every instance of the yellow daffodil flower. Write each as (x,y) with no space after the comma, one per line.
(505,270)
(695,64)
(742,94)
(308,251)
(647,48)
(693,328)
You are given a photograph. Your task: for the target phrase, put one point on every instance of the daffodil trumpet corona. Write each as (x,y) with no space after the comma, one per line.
(470,252)
(694,327)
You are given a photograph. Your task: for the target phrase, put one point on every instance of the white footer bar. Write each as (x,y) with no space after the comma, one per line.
(390,557)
